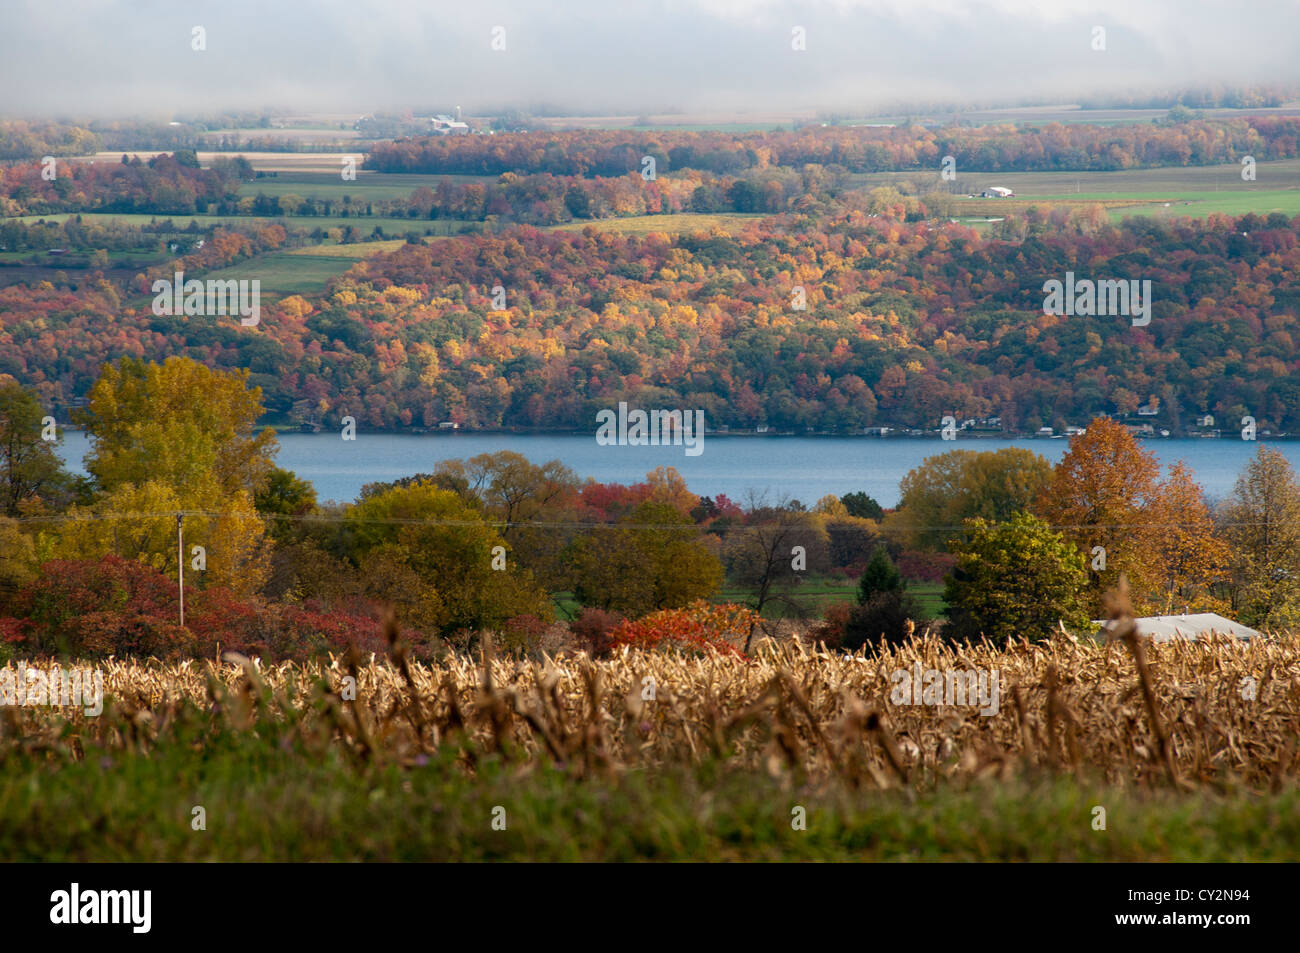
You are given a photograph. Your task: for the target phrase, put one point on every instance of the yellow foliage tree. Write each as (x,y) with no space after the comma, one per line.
(172,438)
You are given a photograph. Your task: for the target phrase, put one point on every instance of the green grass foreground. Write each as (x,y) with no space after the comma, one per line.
(269,798)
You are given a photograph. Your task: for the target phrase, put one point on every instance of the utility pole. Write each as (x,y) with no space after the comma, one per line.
(180,565)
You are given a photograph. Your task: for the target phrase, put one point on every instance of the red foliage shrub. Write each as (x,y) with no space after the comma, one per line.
(521,633)
(110,606)
(12,631)
(697,628)
(832,626)
(592,630)
(311,628)
(116,606)
(926,567)
(280,632)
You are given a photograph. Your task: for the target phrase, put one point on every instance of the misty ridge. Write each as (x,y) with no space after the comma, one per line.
(587,57)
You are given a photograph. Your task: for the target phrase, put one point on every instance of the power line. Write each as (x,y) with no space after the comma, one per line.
(569,524)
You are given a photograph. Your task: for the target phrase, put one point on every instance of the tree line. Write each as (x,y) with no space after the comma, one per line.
(476,545)
(499,543)
(1005,147)
(167,184)
(903,323)
(1031,548)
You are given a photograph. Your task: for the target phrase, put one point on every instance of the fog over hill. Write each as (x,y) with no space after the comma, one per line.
(119,57)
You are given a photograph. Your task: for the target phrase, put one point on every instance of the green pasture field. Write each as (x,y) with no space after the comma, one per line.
(292,271)
(81,258)
(286,273)
(362,223)
(304,270)
(1168,205)
(268,797)
(353,252)
(1228,203)
(368,186)
(1190,191)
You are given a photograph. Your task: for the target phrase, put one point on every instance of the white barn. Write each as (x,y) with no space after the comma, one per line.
(446,126)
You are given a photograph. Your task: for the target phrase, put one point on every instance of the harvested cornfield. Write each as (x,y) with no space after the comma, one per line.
(1188,714)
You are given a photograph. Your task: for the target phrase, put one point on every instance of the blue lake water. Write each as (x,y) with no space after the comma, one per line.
(803,468)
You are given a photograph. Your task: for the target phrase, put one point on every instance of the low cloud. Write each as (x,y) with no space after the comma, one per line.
(127,57)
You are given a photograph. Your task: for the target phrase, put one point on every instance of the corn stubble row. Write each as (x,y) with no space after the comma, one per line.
(1175,713)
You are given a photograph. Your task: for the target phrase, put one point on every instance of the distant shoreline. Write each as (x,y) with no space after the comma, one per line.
(282,429)
(749,434)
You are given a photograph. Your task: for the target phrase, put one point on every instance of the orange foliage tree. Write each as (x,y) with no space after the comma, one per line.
(1106,492)
(696,628)
(1190,559)
(1103,494)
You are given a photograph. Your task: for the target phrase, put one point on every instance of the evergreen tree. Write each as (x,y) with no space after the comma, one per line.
(880,577)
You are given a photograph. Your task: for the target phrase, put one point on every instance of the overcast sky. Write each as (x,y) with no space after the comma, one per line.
(89,58)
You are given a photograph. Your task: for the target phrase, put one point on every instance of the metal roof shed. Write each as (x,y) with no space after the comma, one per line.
(1165,628)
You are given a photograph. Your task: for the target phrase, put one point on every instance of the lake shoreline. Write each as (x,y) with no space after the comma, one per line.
(805,468)
(750,434)
(928,435)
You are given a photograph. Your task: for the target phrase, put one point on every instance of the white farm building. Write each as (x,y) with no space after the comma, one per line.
(1166,628)
(446,126)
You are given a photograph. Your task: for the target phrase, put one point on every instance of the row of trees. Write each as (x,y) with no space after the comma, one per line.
(25,139)
(984,148)
(485,543)
(545,199)
(22,139)
(903,324)
(166,184)
(1031,543)
(476,544)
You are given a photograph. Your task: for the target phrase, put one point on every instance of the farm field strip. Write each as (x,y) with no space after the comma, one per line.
(1062,701)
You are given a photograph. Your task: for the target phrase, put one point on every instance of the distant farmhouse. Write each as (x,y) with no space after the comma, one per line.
(446,126)
(1167,628)
(997,192)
